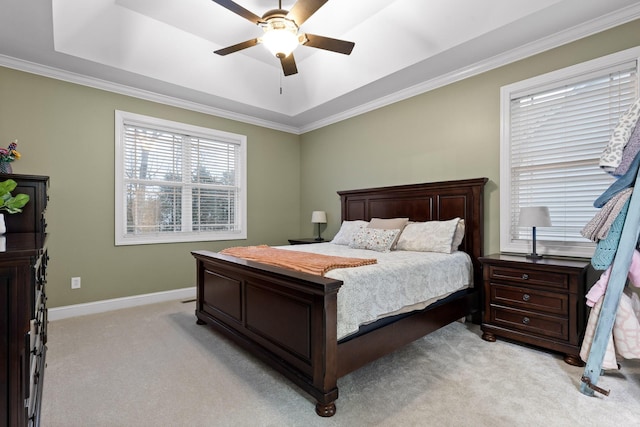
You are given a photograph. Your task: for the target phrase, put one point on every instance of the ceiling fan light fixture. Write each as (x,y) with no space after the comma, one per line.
(280,36)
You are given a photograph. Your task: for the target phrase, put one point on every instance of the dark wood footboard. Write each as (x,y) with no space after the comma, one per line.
(285,318)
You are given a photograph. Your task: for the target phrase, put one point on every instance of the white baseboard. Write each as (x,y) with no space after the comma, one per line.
(67,311)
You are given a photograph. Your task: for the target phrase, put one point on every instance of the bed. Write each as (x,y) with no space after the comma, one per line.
(289,319)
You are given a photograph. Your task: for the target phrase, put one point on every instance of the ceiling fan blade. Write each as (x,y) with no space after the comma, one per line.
(236,47)
(289,65)
(239,10)
(303,9)
(327,43)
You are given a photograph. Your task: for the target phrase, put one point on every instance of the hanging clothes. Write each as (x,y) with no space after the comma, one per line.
(620,305)
(624,340)
(598,288)
(606,248)
(606,226)
(625,181)
(612,155)
(630,152)
(598,228)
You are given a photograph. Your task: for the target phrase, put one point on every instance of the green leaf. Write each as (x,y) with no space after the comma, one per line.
(7,187)
(8,202)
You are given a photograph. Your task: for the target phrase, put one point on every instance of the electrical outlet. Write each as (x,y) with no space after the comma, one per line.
(75,283)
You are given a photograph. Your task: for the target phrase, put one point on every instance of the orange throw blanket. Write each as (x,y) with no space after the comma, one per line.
(300,261)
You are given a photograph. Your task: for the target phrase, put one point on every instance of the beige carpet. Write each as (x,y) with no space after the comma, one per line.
(153,366)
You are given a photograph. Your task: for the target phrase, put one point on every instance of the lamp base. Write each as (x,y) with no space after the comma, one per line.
(319,238)
(534,256)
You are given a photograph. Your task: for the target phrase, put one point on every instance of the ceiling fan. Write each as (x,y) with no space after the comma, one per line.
(281,35)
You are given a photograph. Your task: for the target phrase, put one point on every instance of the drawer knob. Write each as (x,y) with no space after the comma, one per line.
(525,320)
(526,297)
(525,276)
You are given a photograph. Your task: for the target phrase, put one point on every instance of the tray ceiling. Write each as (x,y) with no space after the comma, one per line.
(163,50)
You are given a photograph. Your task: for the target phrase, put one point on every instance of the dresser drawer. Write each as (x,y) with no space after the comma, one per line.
(530,299)
(530,322)
(529,277)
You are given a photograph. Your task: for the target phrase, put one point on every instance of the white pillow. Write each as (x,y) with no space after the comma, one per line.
(458,235)
(389,224)
(430,236)
(375,239)
(347,231)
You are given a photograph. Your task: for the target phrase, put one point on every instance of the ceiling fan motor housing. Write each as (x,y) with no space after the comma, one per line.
(275,13)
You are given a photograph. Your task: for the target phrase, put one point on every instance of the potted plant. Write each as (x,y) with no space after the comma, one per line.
(9,203)
(8,155)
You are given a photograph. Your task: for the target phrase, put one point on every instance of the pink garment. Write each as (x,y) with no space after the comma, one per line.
(600,286)
(624,340)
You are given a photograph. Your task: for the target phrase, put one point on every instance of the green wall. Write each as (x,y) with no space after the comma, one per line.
(452,132)
(66,131)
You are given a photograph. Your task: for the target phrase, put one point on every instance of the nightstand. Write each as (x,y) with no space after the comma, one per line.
(305,241)
(537,302)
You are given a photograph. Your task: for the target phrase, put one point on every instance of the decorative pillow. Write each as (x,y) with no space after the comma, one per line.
(389,224)
(375,239)
(430,236)
(458,235)
(347,231)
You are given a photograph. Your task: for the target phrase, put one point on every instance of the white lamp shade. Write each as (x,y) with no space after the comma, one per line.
(280,42)
(280,36)
(319,217)
(535,216)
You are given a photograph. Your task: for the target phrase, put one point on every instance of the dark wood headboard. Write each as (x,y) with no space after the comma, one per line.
(434,201)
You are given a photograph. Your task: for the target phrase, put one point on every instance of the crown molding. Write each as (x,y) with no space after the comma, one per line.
(71,77)
(556,40)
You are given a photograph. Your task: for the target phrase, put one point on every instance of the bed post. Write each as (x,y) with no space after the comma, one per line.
(325,362)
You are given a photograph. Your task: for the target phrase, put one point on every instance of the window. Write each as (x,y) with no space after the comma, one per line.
(553,130)
(177,183)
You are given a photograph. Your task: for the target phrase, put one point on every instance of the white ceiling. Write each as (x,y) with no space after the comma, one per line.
(163,50)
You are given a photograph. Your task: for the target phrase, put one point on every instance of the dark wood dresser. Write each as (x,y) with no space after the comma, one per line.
(537,302)
(23,309)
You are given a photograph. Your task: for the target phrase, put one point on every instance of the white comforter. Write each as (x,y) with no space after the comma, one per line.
(401,281)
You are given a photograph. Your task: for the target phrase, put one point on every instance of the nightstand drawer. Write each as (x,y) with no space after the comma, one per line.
(529,299)
(529,277)
(530,322)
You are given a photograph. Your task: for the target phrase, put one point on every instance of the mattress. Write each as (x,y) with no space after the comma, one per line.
(399,282)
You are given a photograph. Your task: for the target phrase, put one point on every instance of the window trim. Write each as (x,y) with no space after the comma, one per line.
(121,237)
(583,250)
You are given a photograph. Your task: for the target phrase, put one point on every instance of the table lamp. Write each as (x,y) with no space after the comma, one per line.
(319,217)
(534,216)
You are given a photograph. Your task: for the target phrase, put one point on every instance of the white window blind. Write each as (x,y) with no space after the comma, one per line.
(177,182)
(556,130)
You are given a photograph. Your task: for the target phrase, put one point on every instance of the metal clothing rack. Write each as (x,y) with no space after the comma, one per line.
(617,280)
